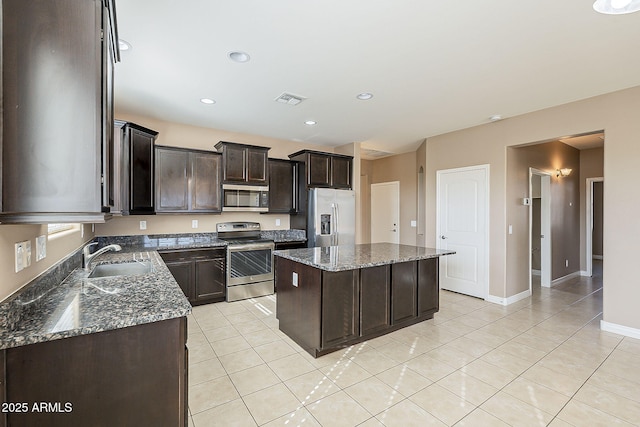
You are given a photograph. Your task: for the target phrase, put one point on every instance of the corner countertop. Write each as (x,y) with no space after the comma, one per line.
(80,305)
(353,257)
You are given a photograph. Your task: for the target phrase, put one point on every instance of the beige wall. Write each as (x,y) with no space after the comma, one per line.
(401,167)
(58,247)
(615,113)
(591,166)
(366,167)
(565,206)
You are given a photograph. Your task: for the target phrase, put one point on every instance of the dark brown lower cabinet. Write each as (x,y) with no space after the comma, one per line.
(123,377)
(404,278)
(200,273)
(375,299)
(324,311)
(340,307)
(428,300)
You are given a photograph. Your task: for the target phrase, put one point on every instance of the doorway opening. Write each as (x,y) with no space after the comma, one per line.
(539,228)
(594,232)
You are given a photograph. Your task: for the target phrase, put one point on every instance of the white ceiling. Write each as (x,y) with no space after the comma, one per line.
(433,66)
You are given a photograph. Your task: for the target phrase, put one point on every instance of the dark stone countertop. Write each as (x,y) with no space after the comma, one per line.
(80,305)
(339,258)
(63,302)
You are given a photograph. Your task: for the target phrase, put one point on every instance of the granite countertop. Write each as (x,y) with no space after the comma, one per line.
(166,242)
(339,258)
(80,305)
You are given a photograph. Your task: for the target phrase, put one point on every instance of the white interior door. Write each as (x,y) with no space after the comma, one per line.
(462,226)
(385,212)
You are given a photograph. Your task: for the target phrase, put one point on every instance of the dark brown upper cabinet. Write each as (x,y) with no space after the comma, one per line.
(187,181)
(244,164)
(57,109)
(325,169)
(134,154)
(282,186)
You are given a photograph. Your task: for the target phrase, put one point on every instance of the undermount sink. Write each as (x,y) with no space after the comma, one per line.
(121,269)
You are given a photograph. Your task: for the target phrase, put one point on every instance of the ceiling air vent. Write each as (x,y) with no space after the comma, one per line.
(287,98)
(370,153)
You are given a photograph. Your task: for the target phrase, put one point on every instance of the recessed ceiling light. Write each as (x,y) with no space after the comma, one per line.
(310,122)
(616,7)
(207,101)
(364,96)
(124,45)
(239,56)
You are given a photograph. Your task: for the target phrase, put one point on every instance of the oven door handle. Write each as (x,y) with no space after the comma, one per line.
(252,246)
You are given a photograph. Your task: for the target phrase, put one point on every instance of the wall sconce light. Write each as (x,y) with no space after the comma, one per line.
(563,172)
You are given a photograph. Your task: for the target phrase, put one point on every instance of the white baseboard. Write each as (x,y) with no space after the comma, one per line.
(562,279)
(583,273)
(620,329)
(597,257)
(509,300)
(536,272)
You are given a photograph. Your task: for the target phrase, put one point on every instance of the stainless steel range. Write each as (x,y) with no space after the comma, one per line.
(249,260)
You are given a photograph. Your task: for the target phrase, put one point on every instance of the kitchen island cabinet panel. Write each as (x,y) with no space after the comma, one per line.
(130,376)
(428,301)
(340,308)
(375,299)
(404,278)
(300,317)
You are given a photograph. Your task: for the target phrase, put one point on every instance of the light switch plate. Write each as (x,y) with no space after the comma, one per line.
(143,225)
(194,223)
(277,222)
(414,223)
(27,254)
(19,256)
(41,247)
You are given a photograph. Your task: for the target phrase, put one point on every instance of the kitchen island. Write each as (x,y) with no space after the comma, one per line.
(333,297)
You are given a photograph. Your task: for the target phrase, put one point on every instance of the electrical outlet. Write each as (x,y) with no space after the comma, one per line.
(566,263)
(143,225)
(41,247)
(277,222)
(294,279)
(194,223)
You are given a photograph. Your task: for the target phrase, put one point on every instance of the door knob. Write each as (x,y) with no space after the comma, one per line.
(443,237)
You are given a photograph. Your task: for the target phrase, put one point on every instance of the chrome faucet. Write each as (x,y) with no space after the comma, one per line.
(87,256)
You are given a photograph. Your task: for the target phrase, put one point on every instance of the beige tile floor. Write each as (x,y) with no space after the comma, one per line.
(540,361)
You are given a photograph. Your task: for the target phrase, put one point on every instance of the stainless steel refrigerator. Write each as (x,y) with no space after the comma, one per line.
(331,217)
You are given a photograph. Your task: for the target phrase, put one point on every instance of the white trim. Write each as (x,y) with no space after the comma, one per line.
(569,276)
(487,215)
(598,257)
(620,329)
(536,272)
(589,223)
(510,300)
(584,273)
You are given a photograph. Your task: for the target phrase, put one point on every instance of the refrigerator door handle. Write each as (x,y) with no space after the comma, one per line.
(337,207)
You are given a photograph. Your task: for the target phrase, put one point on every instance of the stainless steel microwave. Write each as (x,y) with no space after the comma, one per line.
(245,198)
